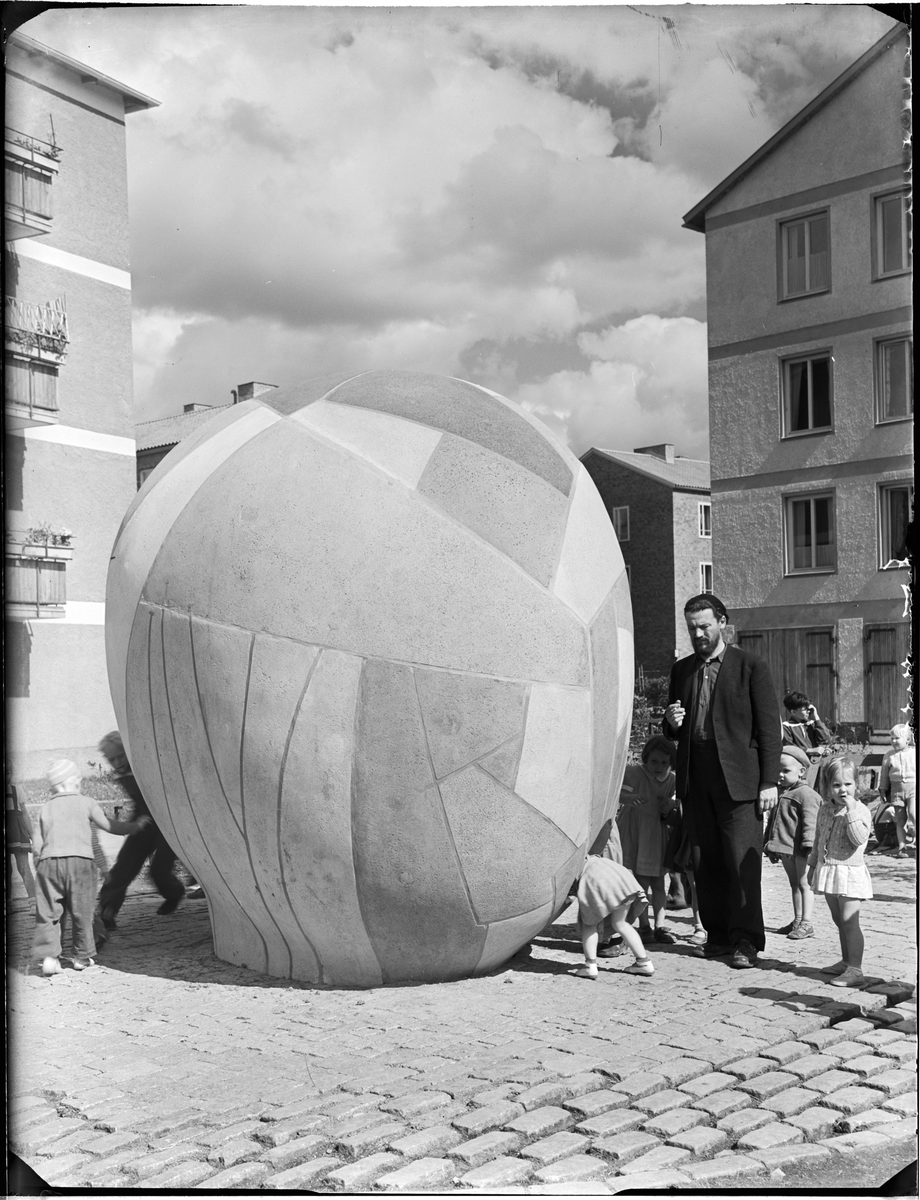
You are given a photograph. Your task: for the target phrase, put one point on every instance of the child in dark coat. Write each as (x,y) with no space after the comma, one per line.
(791,835)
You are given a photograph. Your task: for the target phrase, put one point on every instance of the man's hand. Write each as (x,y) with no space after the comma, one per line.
(674,714)
(766,800)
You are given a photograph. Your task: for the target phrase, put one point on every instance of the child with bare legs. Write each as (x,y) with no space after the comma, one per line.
(647,799)
(836,865)
(607,890)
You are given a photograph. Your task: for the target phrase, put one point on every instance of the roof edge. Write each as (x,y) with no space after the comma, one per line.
(135,101)
(673,485)
(695,218)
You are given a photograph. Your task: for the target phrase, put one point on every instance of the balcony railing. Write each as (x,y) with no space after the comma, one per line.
(31,164)
(31,144)
(38,329)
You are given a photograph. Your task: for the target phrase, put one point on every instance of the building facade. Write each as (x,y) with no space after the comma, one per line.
(69,446)
(156,438)
(660,507)
(808,264)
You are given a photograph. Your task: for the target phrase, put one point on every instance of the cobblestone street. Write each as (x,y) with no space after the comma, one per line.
(165,1068)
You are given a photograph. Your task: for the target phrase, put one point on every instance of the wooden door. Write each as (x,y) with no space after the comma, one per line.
(811,653)
(800,660)
(886,648)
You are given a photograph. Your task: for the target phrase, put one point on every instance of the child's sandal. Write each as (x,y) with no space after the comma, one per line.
(642,966)
(588,971)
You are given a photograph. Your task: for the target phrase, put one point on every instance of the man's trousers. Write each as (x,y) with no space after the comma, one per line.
(727,853)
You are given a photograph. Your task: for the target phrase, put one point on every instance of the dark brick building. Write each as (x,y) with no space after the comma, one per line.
(659,504)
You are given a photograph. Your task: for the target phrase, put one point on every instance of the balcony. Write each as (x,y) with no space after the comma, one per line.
(36,573)
(31,164)
(35,344)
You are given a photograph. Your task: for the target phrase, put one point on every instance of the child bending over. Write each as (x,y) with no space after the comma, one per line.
(607,890)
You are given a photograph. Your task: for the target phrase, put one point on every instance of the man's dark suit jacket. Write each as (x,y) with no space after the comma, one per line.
(745,718)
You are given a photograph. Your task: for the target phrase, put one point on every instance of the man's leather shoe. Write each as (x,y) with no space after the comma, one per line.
(743,957)
(710,950)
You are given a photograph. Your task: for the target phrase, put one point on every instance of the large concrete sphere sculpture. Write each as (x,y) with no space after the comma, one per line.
(369,643)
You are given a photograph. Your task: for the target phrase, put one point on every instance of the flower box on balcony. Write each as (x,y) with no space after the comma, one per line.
(39,550)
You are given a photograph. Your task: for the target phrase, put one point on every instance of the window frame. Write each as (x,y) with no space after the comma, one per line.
(705,506)
(782,227)
(878,377)
(877,236)
(620,508)
(884,521)
(785,400)
(788,532)
(704,567)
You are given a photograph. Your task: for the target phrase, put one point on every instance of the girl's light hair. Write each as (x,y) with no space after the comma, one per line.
(834,768)
(903,731)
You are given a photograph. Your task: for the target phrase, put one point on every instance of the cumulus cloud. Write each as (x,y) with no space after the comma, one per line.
(491,192)
(646,382)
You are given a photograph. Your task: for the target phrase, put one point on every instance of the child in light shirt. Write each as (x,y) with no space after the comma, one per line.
(62,847)
(898,784)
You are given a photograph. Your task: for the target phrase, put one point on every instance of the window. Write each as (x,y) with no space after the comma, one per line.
(895,503)
(810,540)
(143,474)
(620,518)
(30,383)
(805,256)
(806,394)
(894,378)
(892,252)
(705,577)
(705,519)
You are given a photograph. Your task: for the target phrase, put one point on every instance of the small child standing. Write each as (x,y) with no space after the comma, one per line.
(898,784)
(647,798)
(836,865)
(791,835)
(65,869)
(608,890)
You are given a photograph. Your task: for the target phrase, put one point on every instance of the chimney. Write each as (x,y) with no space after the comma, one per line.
(249,391)
(664,451)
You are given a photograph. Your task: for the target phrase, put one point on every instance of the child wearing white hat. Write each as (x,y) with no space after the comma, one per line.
(62,847)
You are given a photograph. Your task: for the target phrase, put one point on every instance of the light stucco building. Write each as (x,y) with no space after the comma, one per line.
(69,448)
(808,264)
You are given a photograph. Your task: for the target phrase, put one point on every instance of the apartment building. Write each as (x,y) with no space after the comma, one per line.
(808,261)
(69,445)
(660,506)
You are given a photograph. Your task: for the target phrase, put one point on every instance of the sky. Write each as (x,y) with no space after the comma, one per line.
(490,193)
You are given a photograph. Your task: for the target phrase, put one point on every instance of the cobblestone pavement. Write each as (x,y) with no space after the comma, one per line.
(165,1068)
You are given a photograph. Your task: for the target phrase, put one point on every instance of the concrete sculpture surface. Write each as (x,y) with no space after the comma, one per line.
(369,643)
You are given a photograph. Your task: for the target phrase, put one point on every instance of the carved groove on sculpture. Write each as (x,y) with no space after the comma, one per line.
(370,645)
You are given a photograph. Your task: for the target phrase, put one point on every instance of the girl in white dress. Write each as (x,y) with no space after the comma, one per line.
(836,864)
